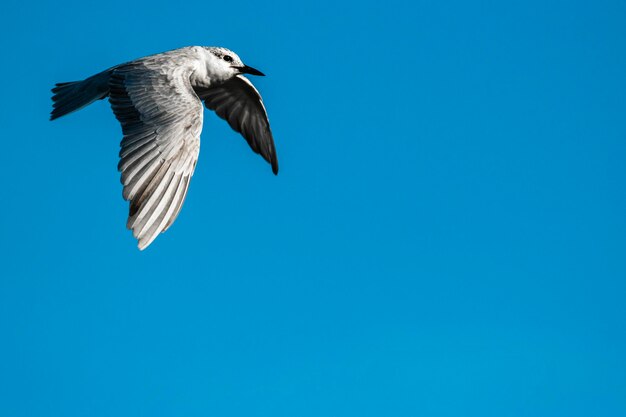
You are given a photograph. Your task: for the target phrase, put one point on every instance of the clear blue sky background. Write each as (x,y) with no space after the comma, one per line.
(446,237)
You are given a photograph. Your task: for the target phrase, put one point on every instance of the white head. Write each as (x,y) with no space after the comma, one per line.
(225,64)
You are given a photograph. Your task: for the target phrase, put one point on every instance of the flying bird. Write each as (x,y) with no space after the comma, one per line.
(158,101)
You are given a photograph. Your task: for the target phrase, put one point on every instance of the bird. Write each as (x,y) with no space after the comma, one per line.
(158,100)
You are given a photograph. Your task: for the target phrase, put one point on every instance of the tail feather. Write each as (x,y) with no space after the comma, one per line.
(72,96)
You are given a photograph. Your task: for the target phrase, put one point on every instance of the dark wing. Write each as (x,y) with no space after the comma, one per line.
(240,104)
(161,119)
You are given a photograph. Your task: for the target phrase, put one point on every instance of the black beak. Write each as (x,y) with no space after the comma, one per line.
(249,70)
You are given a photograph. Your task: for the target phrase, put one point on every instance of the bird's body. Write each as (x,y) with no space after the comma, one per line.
(158,101)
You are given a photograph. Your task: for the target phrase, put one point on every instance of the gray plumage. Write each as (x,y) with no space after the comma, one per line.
(158,102)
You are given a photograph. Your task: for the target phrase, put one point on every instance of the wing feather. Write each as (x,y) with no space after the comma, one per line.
(241,105)
(161,120)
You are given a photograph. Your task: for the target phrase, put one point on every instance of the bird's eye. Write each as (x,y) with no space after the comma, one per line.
(228,58)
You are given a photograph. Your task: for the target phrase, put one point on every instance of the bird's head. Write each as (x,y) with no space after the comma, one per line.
(226,64)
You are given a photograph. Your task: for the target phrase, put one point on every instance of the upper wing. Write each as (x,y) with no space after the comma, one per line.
(161,119)
(240,104)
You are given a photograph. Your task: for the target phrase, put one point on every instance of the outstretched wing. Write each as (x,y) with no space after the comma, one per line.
(161,119)
(240,104)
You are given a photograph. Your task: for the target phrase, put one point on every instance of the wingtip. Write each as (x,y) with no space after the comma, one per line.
(143,243)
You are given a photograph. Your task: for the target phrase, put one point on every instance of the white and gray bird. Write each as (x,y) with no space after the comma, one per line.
(158,101)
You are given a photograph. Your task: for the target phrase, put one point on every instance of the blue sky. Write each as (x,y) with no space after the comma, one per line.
(446,237)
